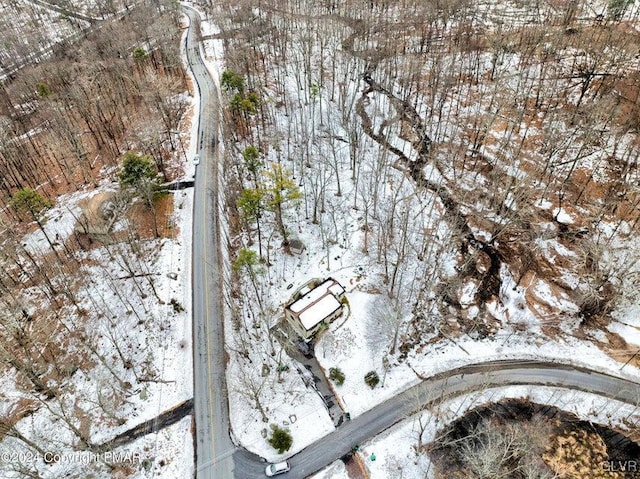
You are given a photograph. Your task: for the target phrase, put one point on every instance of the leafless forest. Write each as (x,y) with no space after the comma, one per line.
(515,439)
(482,156)
(75,310)
(480,159)
(489,151)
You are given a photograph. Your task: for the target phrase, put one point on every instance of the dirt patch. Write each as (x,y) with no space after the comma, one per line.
(355,467)
(156,222)
(97,213)
(619,349)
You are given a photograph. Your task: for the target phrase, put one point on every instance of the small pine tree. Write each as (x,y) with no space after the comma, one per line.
(250,204)
(139,53)
(280,439)
(280,188)
(251,157)
(246,259)
(43,90)
(245,104)
(29,201)
(232,81)
(372,379)
(136,171)
(337,376)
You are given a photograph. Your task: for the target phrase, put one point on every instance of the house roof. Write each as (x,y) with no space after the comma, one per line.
(312,296)
(326,306)
(318,303)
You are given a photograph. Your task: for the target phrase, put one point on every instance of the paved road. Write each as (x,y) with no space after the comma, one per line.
(216,455)
(447,385)
(214,448)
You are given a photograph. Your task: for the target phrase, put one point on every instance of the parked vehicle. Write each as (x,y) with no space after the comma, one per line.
(196,160)
(278,468)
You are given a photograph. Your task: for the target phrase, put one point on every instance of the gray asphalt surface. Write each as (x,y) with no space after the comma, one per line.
(447,385)
(214,448)
(215,452)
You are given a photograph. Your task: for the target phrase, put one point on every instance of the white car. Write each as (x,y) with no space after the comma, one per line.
(196,160)
(278,468)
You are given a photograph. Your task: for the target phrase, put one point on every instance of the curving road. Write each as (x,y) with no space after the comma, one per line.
(216,456)
(428,392)
(213,445)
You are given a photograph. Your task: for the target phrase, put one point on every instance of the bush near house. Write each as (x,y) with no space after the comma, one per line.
(280,439)
(337,376)
(372,379)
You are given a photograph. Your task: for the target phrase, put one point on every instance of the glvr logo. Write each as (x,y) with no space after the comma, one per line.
(621,465)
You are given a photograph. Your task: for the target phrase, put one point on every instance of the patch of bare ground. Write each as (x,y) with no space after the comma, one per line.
(355,467)
(619,349)
(143,222)
(154,222)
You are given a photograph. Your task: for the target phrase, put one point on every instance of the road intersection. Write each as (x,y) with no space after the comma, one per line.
(214,448)
(216,455)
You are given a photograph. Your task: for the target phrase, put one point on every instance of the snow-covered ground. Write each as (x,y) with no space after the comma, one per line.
(157,338)
(389,278)
(337,470)
(137,321)
(395,450)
